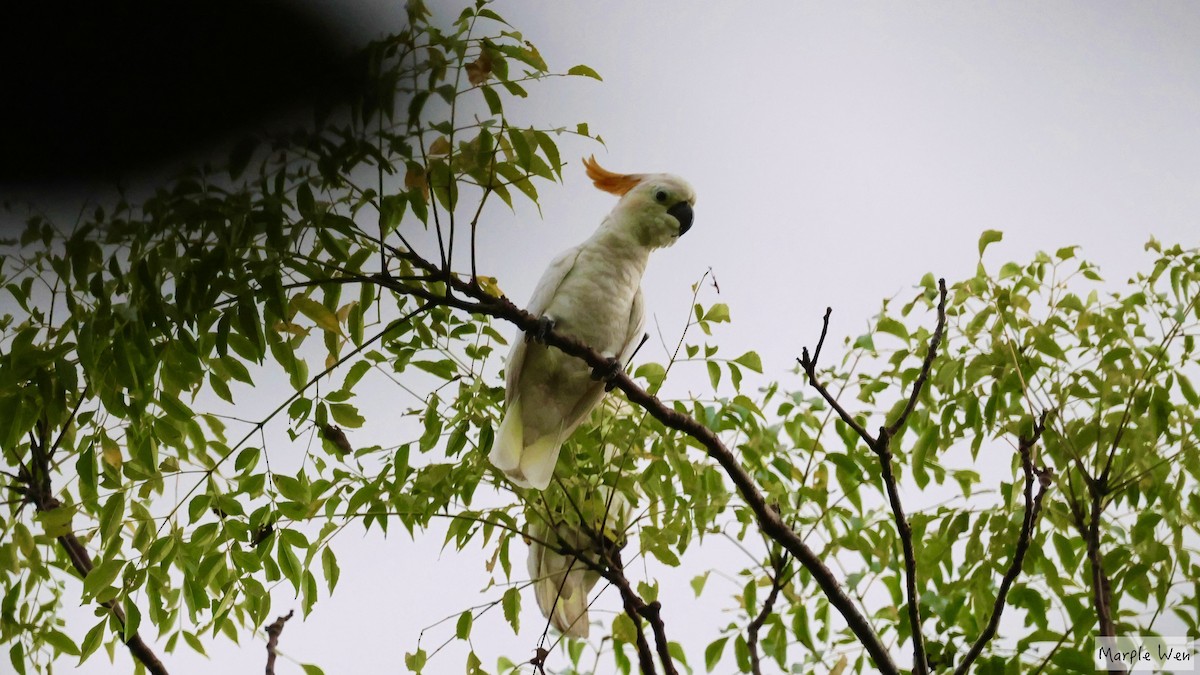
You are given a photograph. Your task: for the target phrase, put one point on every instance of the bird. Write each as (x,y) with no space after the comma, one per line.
(591,292)
(562,582)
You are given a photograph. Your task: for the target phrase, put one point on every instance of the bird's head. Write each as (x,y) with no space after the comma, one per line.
(657,206)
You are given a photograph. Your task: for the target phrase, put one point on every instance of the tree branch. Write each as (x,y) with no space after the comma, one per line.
(777,581)
(809,365)
(768,519)
(1033,507)
(635,607)
(273,632)
(927,365)
(881,446)
(37,491)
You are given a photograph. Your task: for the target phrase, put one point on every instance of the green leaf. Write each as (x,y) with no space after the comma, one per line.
(444,369)
(310,669)
(751,360)
(102,576)
(346,415)
(584,71)
(713,653)
(512,609)
(463,630)
(889,325)
(714,373)
(415,661)
(61,643)
(987,238)
(91,642)
(111,517)
(1046,345)
(57,521)
(133,618)
(330,568)
(16,654)
(698,583)
(718,313)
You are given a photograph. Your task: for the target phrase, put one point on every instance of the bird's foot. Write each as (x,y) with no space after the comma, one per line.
(607,372)
(544,325)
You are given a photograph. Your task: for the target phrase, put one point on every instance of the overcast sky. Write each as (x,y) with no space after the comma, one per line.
(839,151)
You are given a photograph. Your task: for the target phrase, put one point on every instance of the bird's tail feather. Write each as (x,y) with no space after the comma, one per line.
(510,440)
(538,460)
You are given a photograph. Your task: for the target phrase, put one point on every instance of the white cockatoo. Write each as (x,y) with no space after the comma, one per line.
(562,583)
(593,293)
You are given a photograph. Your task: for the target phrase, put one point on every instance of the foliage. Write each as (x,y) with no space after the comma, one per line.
(134,341)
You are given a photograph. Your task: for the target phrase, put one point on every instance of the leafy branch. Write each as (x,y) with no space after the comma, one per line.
(1033,508)
(472,298)
(881,446)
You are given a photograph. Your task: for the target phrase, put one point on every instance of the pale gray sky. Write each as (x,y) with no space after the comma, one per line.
(839,151)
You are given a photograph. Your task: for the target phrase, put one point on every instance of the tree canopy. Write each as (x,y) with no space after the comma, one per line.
(340,259)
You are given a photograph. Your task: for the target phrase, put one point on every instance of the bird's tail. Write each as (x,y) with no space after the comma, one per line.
(510,440)
(538,460)
(526,465)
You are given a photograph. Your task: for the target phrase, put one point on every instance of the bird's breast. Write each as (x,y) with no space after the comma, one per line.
(594,302)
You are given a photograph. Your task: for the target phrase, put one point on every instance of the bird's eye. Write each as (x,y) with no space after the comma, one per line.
(661,197)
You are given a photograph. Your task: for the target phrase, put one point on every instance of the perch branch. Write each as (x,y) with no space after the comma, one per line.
(474,299)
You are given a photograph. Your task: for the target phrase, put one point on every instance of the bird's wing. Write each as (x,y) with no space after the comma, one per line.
(637,326)
(547,286)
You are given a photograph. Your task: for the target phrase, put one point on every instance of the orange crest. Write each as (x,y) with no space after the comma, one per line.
(615,183)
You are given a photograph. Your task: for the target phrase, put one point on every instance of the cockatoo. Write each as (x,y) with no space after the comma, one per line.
(562,583)
(593,293)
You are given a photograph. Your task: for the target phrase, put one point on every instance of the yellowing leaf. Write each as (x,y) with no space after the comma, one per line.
(584,71)
(989,237)
(490,286)
(414,179)
(320,314)
(112,452)
(440,147)
(343,312)
(479,70)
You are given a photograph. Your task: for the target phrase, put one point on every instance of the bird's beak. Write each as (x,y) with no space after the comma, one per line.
(683,213)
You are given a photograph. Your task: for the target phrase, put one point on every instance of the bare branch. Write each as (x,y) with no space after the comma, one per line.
(927,365)
(904,531)
(809,366)
(273,632)
(1033,507)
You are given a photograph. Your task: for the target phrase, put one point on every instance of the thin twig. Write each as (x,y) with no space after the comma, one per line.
(927,365)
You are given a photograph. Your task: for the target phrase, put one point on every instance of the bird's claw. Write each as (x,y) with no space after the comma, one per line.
(544,325)
(607,372)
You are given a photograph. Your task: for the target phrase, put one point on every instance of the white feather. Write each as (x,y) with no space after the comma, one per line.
(591,292)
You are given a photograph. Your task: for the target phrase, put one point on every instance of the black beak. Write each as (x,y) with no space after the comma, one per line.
(683,213)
